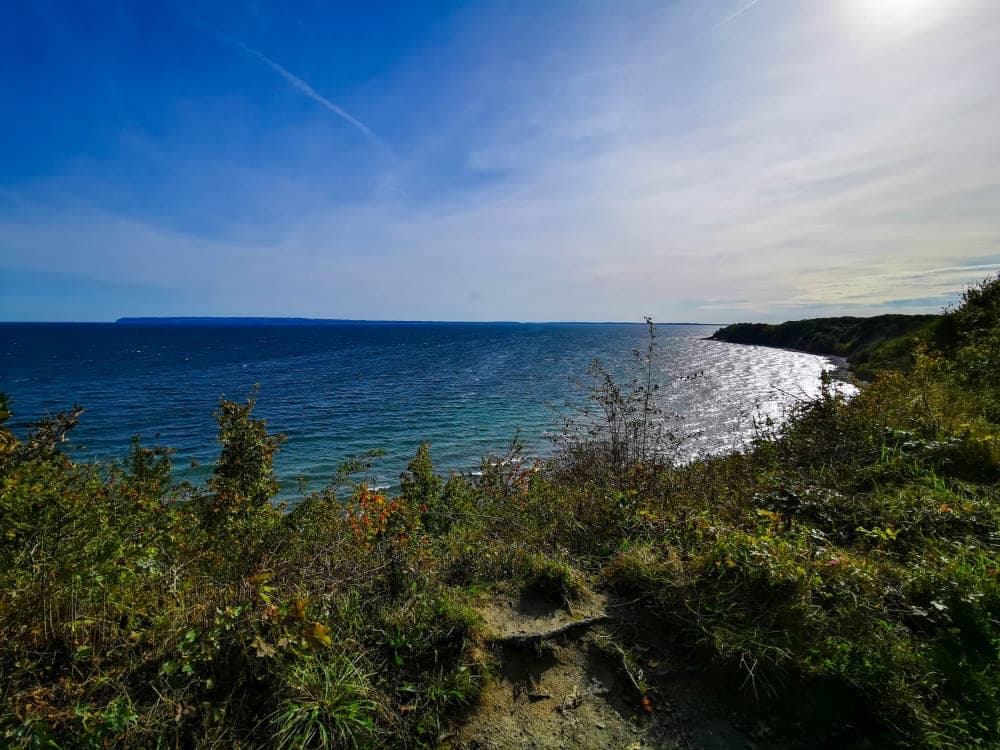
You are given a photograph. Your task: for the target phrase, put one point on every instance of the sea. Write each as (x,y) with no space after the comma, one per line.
(338,390)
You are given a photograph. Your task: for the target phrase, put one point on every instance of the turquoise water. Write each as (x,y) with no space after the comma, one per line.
(339,389)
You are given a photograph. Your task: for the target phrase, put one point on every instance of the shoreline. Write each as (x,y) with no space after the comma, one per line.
(841,369)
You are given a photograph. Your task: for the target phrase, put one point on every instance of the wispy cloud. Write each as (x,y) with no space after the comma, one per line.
(302,86)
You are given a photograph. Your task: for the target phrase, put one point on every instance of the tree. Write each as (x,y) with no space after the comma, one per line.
(243,478)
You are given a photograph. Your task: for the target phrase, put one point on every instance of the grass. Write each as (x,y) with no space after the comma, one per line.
(841,576)
(326,704)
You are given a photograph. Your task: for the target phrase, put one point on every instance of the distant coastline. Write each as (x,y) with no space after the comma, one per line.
(862,345)
(263,321)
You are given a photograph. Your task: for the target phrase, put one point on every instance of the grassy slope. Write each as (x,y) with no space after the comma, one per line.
(871,344)
(842,576)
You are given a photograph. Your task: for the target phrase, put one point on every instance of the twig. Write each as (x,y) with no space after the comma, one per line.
(628,672)
(525,639)
(675,672)
(629,604)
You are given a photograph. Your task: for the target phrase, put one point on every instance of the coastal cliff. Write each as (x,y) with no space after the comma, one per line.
(869,344)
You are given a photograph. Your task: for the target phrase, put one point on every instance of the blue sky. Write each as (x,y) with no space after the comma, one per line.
(696,160)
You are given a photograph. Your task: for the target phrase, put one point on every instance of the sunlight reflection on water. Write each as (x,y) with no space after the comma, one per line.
(339,390)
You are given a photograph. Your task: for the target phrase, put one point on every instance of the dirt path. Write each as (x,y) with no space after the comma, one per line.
(574,691)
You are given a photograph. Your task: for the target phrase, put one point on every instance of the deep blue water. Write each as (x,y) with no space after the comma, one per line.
(338,390)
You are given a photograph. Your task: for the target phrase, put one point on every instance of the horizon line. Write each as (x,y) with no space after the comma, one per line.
(164,320)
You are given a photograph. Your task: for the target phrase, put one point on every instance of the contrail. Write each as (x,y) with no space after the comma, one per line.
(733,16)
(302,86)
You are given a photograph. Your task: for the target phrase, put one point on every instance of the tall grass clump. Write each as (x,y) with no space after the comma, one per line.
(324,705)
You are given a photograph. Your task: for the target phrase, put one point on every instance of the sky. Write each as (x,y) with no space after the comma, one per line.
(692,160)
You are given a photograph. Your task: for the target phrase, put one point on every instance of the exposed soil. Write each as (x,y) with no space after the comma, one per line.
(573,691)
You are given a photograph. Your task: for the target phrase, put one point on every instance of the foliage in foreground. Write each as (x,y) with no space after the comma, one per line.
(842,573)
(143,614)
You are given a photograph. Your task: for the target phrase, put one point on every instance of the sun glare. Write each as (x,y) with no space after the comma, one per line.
(887,16)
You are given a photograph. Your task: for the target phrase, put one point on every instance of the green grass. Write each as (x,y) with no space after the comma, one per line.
(325,704)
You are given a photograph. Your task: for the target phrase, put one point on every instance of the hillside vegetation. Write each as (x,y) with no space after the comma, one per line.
(838,580)
(871,344)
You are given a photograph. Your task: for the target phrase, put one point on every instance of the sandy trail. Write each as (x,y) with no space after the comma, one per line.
(573,691)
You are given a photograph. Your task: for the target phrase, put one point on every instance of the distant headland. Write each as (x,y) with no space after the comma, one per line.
(261,321)
(291,322)
(868,343)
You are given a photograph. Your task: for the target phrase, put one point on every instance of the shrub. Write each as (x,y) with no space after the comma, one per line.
(243,478)
(619,428)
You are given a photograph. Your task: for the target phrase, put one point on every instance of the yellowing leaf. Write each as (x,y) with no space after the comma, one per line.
(317,635)
(262,647)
